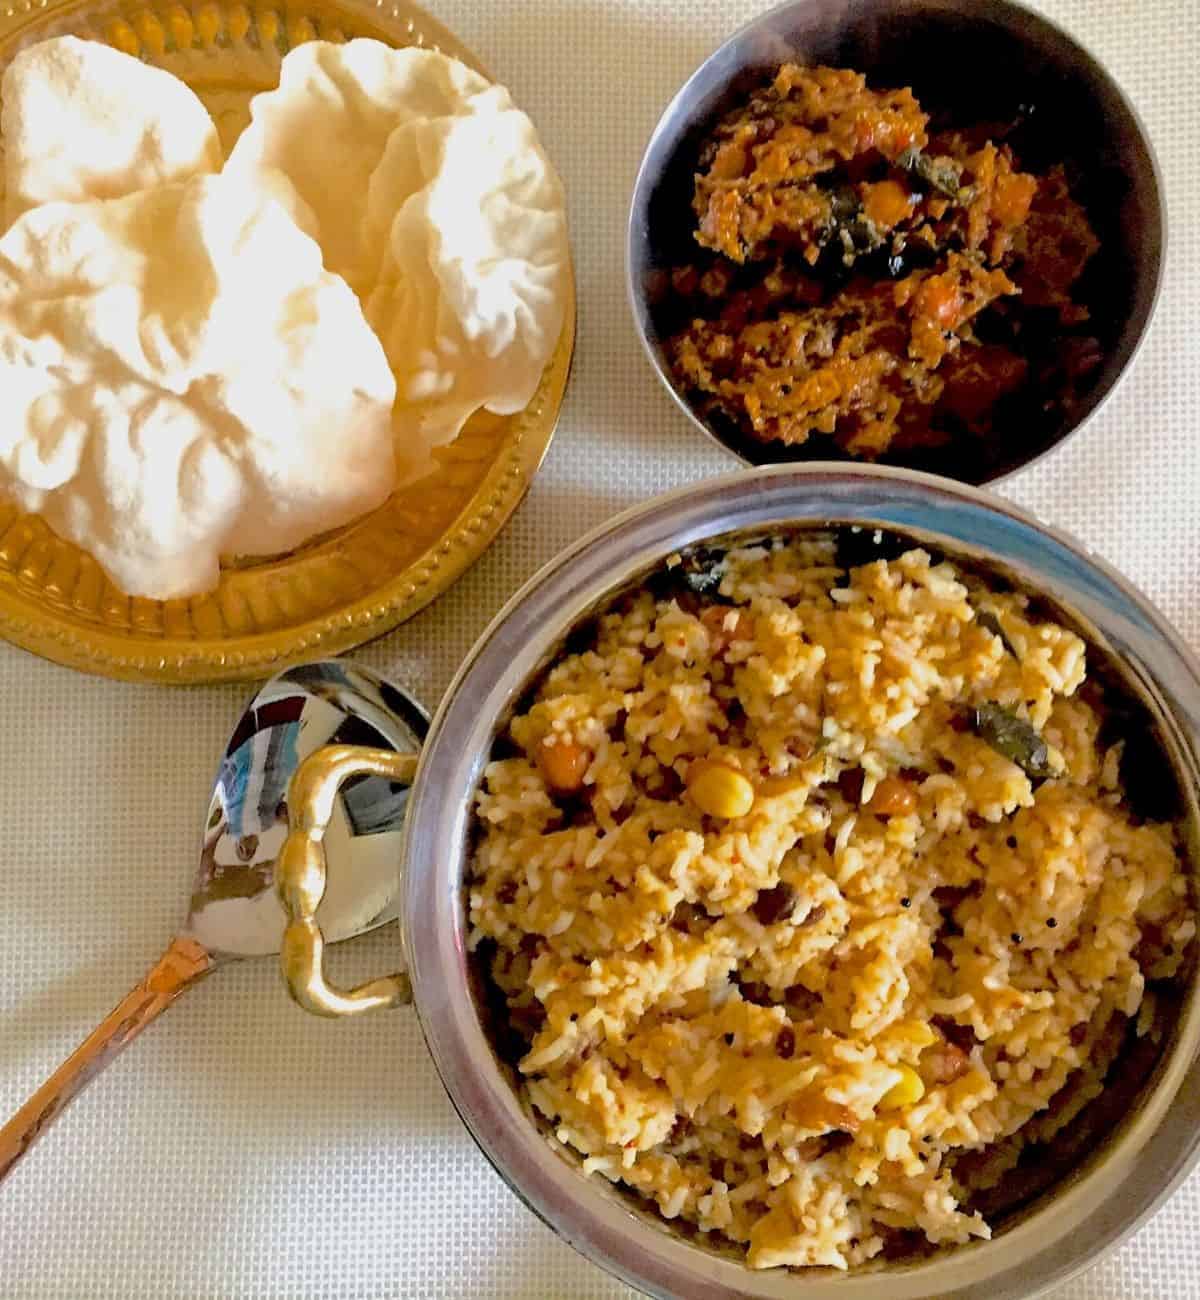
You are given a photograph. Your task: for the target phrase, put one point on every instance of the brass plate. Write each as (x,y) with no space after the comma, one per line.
(337,591)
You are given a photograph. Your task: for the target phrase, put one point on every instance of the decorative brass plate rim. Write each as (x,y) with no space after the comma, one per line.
(48,629)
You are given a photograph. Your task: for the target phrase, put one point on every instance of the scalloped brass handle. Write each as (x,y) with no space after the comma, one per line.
(300,873)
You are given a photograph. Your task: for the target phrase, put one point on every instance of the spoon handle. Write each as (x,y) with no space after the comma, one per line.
(183,963)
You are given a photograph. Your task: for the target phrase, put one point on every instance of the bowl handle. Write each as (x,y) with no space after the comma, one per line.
(300,871)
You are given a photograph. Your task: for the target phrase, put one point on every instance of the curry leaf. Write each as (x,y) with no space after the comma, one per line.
(939,173)
(990,623)
(1014,738)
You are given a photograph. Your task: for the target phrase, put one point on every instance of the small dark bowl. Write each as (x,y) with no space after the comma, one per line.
(975,60)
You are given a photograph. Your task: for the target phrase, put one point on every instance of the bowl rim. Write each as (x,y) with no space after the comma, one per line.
(1068,1231)
(1010,14)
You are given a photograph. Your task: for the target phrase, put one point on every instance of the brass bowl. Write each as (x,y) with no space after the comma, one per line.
(338,590)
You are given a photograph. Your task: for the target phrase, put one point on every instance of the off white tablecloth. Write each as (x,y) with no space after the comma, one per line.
(244,1149)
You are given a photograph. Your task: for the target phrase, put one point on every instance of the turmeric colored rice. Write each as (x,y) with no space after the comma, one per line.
(813,895)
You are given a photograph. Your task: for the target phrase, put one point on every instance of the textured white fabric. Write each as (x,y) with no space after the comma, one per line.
(243,1149)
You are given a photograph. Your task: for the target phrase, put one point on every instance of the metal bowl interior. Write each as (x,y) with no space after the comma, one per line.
(1110,1184)
(979,61)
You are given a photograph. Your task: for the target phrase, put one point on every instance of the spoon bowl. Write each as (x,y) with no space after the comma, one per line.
(234,910)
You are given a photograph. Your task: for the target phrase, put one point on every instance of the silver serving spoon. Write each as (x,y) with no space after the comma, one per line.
(234,910)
